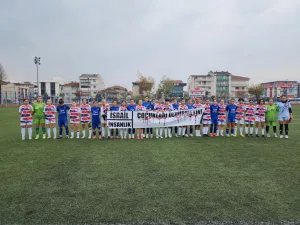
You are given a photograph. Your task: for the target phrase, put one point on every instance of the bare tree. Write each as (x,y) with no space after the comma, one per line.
(146,84)
(3,77)
(165,86)
(256,90)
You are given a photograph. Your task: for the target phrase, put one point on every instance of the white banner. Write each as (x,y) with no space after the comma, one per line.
(148,119)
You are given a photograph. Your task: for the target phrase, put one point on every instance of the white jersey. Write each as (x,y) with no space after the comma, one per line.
(26,114)
(49,112)
(104,109)
(75,115)
(85,113)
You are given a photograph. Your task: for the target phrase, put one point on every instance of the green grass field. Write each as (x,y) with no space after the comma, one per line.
(159,180)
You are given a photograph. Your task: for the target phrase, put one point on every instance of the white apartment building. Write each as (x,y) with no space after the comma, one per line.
(239,86)
(69,92)
(90,85)
(50,87)
(220,84)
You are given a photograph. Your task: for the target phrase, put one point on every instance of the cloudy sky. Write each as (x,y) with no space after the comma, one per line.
(118,38)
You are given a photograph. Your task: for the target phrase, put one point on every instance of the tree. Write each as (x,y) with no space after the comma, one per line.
(165,86)
(256,90)
(146,84)
(3,77)
(99,97)
(240,94)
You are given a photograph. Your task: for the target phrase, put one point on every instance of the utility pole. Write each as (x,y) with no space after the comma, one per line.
(37,62)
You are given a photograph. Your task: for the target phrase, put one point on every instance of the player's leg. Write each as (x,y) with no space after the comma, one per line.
(37,128)
(268,124)
(83,127)
(191,131)
(122,133)
(247,128)
(66,125)
(157,132)
(147,132)
(274,129)
(281,123)
(161,129)
(232,126)
(94,126)
(90,129)
(179,131)
(99,130)
(204,128)
(72,126)
(286,128)
(48,126)
(166,132)
(184,130)
(262,124)
(42,122)
(228,127)
(29,128)
(257,123)
(215,122)
(23,130)
(60,125)
(77,127)
(241,126)
(236,126)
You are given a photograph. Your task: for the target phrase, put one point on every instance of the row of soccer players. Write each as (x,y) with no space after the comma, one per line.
(214,116)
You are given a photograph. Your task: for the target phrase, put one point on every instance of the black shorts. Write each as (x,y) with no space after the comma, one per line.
(104,118)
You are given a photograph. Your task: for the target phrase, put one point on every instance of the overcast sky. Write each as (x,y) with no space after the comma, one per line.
(116,38)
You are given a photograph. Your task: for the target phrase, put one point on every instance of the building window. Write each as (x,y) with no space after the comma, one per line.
(236,88)
(94,86)
(43,88)
(84,86)
(95,92)
(94,80)
(243,88)
(52,89)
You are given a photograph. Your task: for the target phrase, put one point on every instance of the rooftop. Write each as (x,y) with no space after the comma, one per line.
(233,77)
(89,75)
(71,84)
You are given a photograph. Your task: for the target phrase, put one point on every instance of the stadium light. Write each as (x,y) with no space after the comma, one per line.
(37,62)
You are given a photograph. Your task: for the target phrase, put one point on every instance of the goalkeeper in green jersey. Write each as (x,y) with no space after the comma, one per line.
(271,117)
(39,117)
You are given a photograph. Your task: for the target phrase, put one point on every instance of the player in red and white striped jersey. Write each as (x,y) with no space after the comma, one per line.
(260,117)
(206,118)
(86,118)
(198,105)
(25,112)
(123,131)
(50,120)
(250,118)
(168,107)
(182,107)
(104,109)
(139,131)
(159,107)
(221,118)
(75,119)
(239,118)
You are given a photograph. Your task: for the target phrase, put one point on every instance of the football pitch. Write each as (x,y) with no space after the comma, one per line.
(141,181)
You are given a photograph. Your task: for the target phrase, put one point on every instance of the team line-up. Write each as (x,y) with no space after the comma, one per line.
(215,117)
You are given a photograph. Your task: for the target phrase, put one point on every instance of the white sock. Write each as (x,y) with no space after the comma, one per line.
(203,130)
(246,130)
(166,132)
(54,132)
(218,132)
(161,131)
(256,130)
(125,133)
(103,131)
(170,132)
(121,133)
(222,132)
(179,131)
(156,132)
(263,131)
(78,134)
(83,133)
(235,130)
(23,131)
(183,130)
(30,132)
(241,130)
(72,134)
(251,130)
(90,133)
(49,132)
(206,130)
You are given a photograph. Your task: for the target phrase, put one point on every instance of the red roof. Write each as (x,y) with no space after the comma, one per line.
(239,78)
(71,84)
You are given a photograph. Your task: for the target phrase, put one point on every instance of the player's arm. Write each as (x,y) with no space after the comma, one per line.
(290,112)
(33,109)
(20,111)
(68,109)
(57,111)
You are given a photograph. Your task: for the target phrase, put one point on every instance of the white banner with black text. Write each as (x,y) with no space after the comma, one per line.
(150,119)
